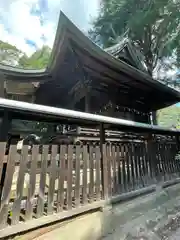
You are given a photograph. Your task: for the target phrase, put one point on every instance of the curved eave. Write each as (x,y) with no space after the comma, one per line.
(66,30)
(22,74)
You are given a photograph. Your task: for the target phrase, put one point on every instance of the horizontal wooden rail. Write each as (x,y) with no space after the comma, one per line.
(36,110)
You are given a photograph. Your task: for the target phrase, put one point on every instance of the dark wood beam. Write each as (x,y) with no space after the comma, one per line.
(123,99)
(90,61)
(119,80)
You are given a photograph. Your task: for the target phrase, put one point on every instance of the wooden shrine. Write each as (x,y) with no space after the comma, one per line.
(82,76)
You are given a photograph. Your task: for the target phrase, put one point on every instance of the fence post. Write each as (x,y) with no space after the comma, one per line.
(103,162)
(149,155)
(178,149)
(5,126)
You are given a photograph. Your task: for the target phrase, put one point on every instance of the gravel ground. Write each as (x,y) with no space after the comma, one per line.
(171,230)
(175,236)
(158,220)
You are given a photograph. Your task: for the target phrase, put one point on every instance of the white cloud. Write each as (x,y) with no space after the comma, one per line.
(18,24)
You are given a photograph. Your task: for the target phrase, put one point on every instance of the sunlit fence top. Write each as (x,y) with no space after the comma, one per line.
(24,110)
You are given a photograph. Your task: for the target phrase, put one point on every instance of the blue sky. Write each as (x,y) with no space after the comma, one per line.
(29,24)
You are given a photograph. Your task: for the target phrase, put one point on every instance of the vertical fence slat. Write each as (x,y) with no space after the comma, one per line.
(175,158)
(113,160)
(139,157)
(127,166)
(85,165)
(61,178)
(131,159)
(98,180)
(173,153)
(91,173)
(7,186)
(118,172)
(136,164)
(32,183)
(2,157)
(105,171)
(124,167)
(77,172)
(161,162)
(177,155)
(150,151)
(69,176)
(164,160)
(20,185)
(168,159)
(52,178)
(108,155)
(157,161)
(145,163)
(142,163)
(42,185)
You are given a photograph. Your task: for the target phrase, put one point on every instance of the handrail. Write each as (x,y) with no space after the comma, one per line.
(36,109)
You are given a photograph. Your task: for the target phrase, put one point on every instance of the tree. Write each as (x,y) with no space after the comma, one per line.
(169,117)
(9,54)
(38,60)
(152,25)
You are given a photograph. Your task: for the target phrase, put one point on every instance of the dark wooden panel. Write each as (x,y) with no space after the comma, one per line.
(85,169)
(77,175)
(114,169)
(132,164)
(61,178)
(104,168)
(32,183)
(7,187)
(119,169)
(91,173)
(124,172)
(69,176)
(109,165)
(42,184)
(20,186)
(128,166)
(52,178)
(97,172)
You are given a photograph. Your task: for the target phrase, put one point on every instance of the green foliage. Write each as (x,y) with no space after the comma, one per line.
(10,55)
(152,25)
(38,60)
(169,117)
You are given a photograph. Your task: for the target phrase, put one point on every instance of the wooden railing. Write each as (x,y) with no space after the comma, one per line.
(53,179)
(40,184)
(53,182)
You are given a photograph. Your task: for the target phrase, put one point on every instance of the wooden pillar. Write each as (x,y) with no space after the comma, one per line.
(33,98)
(5,126)
(2,86)
(154,118)
(88,100)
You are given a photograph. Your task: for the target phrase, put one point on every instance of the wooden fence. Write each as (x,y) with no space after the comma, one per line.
(41,182)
